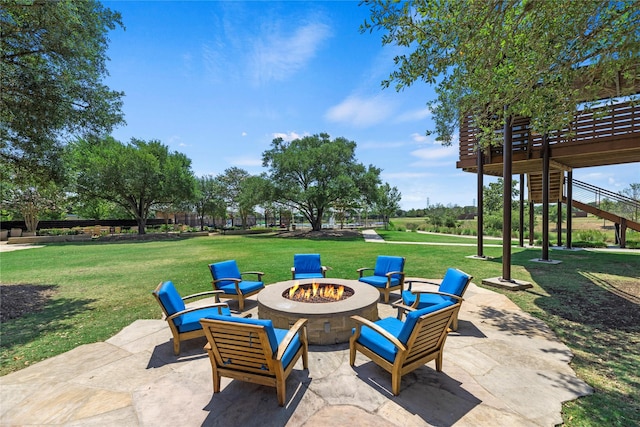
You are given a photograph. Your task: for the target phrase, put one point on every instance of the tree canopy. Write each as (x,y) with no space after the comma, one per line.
(313,173)
(52,62)
(136,176)
(497,59)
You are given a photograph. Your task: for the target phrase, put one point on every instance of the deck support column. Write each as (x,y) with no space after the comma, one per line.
(545,198)
(480,196)
(507,156)
(532,236)
(559,226)
(569,207)
(521,225)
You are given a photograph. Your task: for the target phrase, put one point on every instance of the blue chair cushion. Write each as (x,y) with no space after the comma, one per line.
(412,318)
(308,275)
(246,287)
(376,342)
(170,298)
(454,282)
(224,270)
(275,335)
(385,264)
(379,281)
(307,264)
(191,321)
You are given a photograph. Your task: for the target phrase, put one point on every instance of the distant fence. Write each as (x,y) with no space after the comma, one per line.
(7,225)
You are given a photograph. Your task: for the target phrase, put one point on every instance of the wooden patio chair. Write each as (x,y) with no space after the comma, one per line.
(308,266)
(253,350)
(228,279)
(185,322)
(454,284)
(388,275)
(400,347)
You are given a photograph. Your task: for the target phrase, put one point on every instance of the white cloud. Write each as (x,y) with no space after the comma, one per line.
(414,116)
(361,112)
(289,136)
(276,56)
(243,134)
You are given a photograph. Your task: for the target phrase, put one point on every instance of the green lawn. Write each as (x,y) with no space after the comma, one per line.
(590,300)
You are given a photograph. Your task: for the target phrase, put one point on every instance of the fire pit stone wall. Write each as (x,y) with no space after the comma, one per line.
(329,322)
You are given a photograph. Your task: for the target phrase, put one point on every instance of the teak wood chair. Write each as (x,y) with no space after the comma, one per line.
(400,347)
(454,284)
(388,275)
(253,350)
(185,322)
(308,266)
(228,279)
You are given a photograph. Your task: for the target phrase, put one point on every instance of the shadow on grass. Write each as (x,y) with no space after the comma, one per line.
(50,319)
(591,301)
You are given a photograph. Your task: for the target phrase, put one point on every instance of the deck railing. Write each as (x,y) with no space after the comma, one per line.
(589,126)
(606,200)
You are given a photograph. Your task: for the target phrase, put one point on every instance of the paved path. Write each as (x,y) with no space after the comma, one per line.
(502,367)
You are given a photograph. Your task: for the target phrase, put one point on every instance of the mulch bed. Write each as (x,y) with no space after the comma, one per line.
(18,300)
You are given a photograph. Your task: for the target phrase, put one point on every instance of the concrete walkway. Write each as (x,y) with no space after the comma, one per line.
(502,367)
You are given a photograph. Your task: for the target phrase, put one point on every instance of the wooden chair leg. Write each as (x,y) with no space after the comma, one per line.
(216,381)
(352,354)
(454,323)
(281,390)
(439,362)
(176,346)
(396,379)
(241,303)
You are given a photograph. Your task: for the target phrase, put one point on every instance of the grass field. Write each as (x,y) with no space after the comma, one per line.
(88,292)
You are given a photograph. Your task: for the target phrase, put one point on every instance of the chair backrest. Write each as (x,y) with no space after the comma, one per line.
(412,317)
(430,332)
(455,282)
(244,344)
(386,263)
(169,298)
(225,270)
(307,263)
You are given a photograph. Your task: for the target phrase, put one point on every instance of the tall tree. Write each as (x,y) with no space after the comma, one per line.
(314,172)
(208,198)
(137,176)
(387,202)
(503,58)
(231,184)
(52,62)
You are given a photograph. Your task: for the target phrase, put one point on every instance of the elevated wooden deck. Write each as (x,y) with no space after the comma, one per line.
(606,136)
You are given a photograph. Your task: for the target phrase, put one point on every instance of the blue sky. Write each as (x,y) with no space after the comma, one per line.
(218,81)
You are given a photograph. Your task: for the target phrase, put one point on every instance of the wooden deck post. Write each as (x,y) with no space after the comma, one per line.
(521,225)
(559,226)
(545,197)
(569,207)
(507,153)
(480,191)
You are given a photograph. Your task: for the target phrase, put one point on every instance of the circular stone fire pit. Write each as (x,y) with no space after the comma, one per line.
(328,322)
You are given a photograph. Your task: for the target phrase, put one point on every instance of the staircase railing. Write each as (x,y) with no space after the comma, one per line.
(606,200)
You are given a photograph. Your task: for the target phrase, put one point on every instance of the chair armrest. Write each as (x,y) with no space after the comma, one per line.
(258,273)
(324,267)
(418,293)
(402,308)
(391,273)
(360,321)
(361,270)
(412,281)
(201,294)
(301,323)
(229,279)
(189,310)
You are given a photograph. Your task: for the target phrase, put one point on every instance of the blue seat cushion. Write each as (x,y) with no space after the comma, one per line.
(379,281)
(191,321)
(275,335)
(170,298)
(307,263)
(454,282)
(412,318)
(246,287)
(425,299)
(376,342)
(308,276)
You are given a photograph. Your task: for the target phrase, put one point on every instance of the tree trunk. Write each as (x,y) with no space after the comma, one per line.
(142,225)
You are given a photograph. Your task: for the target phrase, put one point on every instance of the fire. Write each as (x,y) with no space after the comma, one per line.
(327,291)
